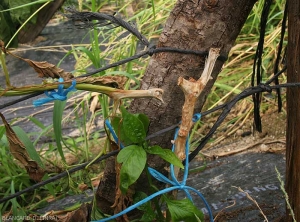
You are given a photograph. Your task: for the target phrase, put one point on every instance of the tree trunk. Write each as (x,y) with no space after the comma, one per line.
(196,25)
(293,111)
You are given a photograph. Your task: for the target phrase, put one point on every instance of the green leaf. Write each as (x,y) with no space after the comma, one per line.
(138,196)
(144,119)
(57,119)
(117,124)
(37,122)
(149,214)
(22,10)
(89,54)
(7,27)
(25,5)
(2,131)
(49,186)
(184,210)
(28,144)
(133,159)
(165,154)
(42,133)
(133,126)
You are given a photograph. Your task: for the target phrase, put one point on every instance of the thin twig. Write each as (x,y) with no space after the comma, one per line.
(254,201)
(233,204)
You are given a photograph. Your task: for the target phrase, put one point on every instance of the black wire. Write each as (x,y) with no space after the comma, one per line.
(20,100)
(139,55)
(86,17)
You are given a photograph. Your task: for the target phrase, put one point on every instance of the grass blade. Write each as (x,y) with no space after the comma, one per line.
(58,110)
(28,145)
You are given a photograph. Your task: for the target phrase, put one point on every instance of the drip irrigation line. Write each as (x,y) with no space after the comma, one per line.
(275,76)
(150,52)
(56,177)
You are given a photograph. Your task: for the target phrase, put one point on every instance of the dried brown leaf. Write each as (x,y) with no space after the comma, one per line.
(18,150)
(45,69)
(80,214)
(95,104)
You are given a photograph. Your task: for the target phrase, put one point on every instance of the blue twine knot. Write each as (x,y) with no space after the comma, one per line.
(196,117)
(60,94)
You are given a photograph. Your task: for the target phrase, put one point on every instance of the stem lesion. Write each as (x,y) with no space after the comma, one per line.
(192,89)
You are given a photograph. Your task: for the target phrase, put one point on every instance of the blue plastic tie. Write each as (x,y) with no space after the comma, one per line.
(196,117)
(60,94)
(107,123)
(175,185)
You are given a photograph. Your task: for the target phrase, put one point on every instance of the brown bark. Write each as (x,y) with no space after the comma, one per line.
(31,31)
(196,25)
(293,111)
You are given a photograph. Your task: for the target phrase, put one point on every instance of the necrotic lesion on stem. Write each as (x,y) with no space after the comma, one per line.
(192,89)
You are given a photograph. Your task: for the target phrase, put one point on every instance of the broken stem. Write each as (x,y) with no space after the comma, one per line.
(114,93)
(192,89)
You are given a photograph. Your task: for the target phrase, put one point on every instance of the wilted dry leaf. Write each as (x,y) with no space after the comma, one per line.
(81,214)
(45,69)
(94,105)
(83,187)
(121,200)
(18,150)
